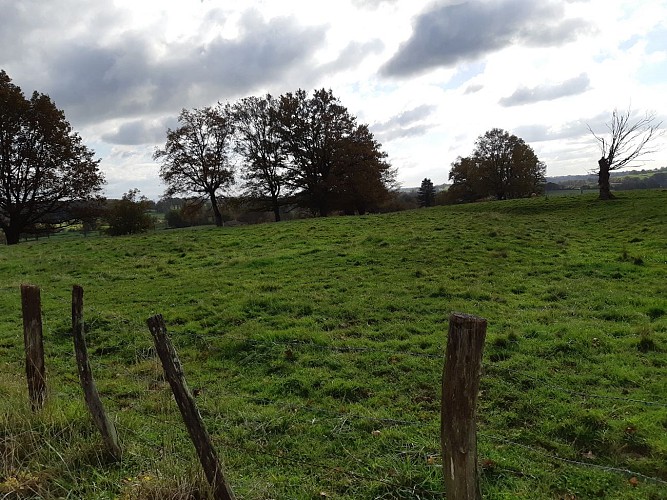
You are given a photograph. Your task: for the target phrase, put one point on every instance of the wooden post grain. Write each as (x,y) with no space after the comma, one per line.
(34,345)
(460,384)
(90,394)
(174,373)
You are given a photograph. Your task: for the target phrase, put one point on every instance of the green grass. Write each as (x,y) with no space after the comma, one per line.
(316,347)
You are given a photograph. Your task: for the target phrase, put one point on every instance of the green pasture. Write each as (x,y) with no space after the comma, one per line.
(315,349)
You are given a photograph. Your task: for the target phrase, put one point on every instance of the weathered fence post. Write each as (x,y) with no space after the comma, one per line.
(90,394)
(174,373)
(34,345)
(460,384)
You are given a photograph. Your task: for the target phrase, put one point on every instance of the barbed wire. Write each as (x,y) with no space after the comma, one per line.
(514,374)
(545,453)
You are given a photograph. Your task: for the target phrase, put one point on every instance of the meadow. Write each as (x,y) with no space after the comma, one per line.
(315,350)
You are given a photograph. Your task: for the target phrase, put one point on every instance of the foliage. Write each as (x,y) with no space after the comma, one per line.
(261,149)
(426,193)
(196,158)
(502,166)
(331,162)
(316,349)
(625,143)
(128,215)
(44,166)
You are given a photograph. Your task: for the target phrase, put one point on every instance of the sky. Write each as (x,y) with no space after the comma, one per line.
(428,77)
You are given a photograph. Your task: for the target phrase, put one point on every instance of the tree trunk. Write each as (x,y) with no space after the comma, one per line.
(216,211)
(12,235)
(276,207)
(603,179)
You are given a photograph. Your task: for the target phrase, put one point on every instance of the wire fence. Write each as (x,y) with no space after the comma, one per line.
(168,417)
(291,409)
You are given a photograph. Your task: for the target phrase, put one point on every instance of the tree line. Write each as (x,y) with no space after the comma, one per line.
(297,150)
(294,150)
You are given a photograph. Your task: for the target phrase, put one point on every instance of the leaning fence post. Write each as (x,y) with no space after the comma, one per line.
(34,345)
(90,394)
(460,384)
(174,373)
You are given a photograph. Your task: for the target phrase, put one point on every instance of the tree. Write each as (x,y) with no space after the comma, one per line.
(258,143)
(362,177)
(311,131)
(502,165)
(128,215)
(44,166)
(196,158)
(426,193)
(466,181)
(625,143)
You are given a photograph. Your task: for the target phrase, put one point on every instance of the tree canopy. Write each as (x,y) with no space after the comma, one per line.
(197,156)
(299,149)
(502,166)
(259,145)
(44,166)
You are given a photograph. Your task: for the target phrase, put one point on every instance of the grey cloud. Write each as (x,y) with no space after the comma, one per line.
(447,34)
(96,76)
(140,132)
(526,95)
(570,130)
(400,133)
(352,56)
(403,124)
(471,89)
(372,4)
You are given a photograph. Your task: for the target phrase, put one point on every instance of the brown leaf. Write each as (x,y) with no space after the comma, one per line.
(589,455)
(633,481)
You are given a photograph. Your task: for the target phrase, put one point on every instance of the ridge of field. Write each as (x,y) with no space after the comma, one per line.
(315,348)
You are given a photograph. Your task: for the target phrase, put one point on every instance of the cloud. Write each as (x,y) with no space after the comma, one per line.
(447,34)
(525,95)
(137,132)
(404,124)
(97,75)
(351,56)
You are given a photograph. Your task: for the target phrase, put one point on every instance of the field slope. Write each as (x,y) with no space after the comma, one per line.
(315,349)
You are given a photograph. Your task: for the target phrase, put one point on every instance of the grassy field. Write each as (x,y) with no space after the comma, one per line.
(315,349)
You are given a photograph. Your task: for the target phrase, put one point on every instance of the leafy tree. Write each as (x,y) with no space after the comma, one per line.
(311,131)
(502,165)
(330,161)
(196,158)
(465,182)
(259,144)
(44,166)
(128,215)
(362,176)
(625,142)
(426,193)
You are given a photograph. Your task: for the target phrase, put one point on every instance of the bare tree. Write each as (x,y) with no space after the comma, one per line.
(625,142)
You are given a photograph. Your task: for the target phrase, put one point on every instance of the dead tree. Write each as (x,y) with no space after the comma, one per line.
(625,142)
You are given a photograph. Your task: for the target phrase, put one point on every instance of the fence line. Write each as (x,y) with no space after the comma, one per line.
(299,343)
(352,416)
(607,468)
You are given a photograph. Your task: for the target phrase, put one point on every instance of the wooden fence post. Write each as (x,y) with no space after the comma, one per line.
(174,373)
(460,384)
(90,394)
(34,345)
